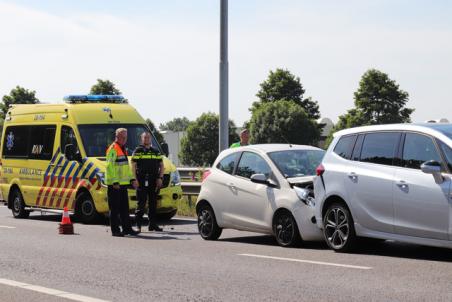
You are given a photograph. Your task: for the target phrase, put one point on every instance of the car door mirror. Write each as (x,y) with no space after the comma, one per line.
(165,149)
(71,154)
(262,179)
(434,168)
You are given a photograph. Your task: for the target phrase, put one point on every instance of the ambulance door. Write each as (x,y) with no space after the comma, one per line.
(39,164)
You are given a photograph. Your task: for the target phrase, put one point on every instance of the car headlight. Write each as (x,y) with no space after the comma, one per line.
(175,178)
(305,196)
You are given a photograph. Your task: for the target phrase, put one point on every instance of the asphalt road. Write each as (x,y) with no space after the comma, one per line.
(177,265)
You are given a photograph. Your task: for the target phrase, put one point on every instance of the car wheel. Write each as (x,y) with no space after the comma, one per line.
(338,229)
(207,224)
(18,205)
(86,210)
(286,230)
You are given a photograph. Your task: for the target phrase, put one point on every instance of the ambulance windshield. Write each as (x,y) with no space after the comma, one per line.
(97,138)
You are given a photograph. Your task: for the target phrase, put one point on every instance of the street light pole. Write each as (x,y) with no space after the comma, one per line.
(224,74)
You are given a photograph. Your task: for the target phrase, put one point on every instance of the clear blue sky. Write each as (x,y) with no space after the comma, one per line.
(163,55)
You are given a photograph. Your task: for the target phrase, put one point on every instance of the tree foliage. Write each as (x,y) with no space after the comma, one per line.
(282,85)
(155,131)
(104,87)
(378,100)
(18,95)
(283,122)
(199,147)
(176,124)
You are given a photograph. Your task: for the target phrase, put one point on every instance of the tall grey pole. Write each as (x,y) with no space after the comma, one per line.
(224,74)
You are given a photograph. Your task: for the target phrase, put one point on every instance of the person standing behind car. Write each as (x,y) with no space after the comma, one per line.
(118,177)
(147,166)
(244,139)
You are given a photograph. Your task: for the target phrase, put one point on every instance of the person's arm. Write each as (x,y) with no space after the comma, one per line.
(135,157)
(161,173)
(110,171)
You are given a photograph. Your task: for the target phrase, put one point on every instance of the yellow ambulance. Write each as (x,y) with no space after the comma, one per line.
(53,156)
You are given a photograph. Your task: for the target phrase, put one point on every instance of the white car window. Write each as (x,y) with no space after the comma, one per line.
(251,163)
(227,164)
(417,150)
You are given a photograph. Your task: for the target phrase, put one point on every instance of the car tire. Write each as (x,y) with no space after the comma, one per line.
(339,230)
(285,229)
(207,223)
(18,205)
(86,210)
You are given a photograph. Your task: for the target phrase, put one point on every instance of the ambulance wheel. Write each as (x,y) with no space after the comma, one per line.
(18,205)
(85,209)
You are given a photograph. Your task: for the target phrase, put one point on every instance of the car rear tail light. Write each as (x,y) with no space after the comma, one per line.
(205,174)
(320,170)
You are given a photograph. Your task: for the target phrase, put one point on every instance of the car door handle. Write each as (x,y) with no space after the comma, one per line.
(231,185)
(402,184)
(353,176)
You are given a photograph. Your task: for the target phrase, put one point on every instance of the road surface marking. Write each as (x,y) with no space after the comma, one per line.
(308,261)
(6,227)
(50,291)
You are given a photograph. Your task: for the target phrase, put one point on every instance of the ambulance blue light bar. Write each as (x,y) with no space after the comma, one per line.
(95,98)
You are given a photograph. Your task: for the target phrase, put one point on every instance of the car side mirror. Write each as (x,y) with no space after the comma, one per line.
(434,168)
(165,149)
(71,154)
(262,179)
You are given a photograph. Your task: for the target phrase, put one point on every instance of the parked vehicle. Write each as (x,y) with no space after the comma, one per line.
(386,182)
(53,156)
(261,188)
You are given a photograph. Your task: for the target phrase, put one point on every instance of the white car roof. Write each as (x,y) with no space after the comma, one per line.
(422,127)
(265,148)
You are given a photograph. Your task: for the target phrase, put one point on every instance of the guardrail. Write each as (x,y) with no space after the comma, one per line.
(190,189)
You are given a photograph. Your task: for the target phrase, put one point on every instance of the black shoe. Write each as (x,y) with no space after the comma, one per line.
(131,232)
(117,234)
(154,227)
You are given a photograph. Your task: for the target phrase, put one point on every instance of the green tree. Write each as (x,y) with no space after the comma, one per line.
(18,95)
(378,100)
(104,87)
(176,124)
(199,147)
(282,85)
(155,132)
(283,122)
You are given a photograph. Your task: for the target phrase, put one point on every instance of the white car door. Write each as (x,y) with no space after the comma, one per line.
(221,187)
(369,180)
(253,203)
(421,206)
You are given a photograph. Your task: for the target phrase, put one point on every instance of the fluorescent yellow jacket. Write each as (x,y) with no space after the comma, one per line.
(118,169)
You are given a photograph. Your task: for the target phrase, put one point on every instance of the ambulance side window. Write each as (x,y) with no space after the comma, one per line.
(67,138)
(42,139)
(15,142)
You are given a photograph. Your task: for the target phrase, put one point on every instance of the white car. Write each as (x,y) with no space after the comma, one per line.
(261,188)
(387,182)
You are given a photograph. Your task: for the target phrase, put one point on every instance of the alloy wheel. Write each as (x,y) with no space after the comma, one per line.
(337,229)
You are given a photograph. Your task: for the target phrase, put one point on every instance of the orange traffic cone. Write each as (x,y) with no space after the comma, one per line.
(66,226)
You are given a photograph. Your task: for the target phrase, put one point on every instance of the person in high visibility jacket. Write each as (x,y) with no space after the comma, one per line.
(244,139)
(118,177)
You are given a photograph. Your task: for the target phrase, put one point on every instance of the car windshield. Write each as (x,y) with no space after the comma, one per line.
(297,163)
(97,138)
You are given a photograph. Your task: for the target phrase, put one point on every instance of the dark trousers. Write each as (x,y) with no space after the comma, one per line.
(118,202)
(144,194)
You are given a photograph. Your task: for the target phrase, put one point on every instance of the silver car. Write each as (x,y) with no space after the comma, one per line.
(261,188)
(387,182)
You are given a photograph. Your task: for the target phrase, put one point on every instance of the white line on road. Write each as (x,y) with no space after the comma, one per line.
(6,227)
(308,261)
(50,291)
